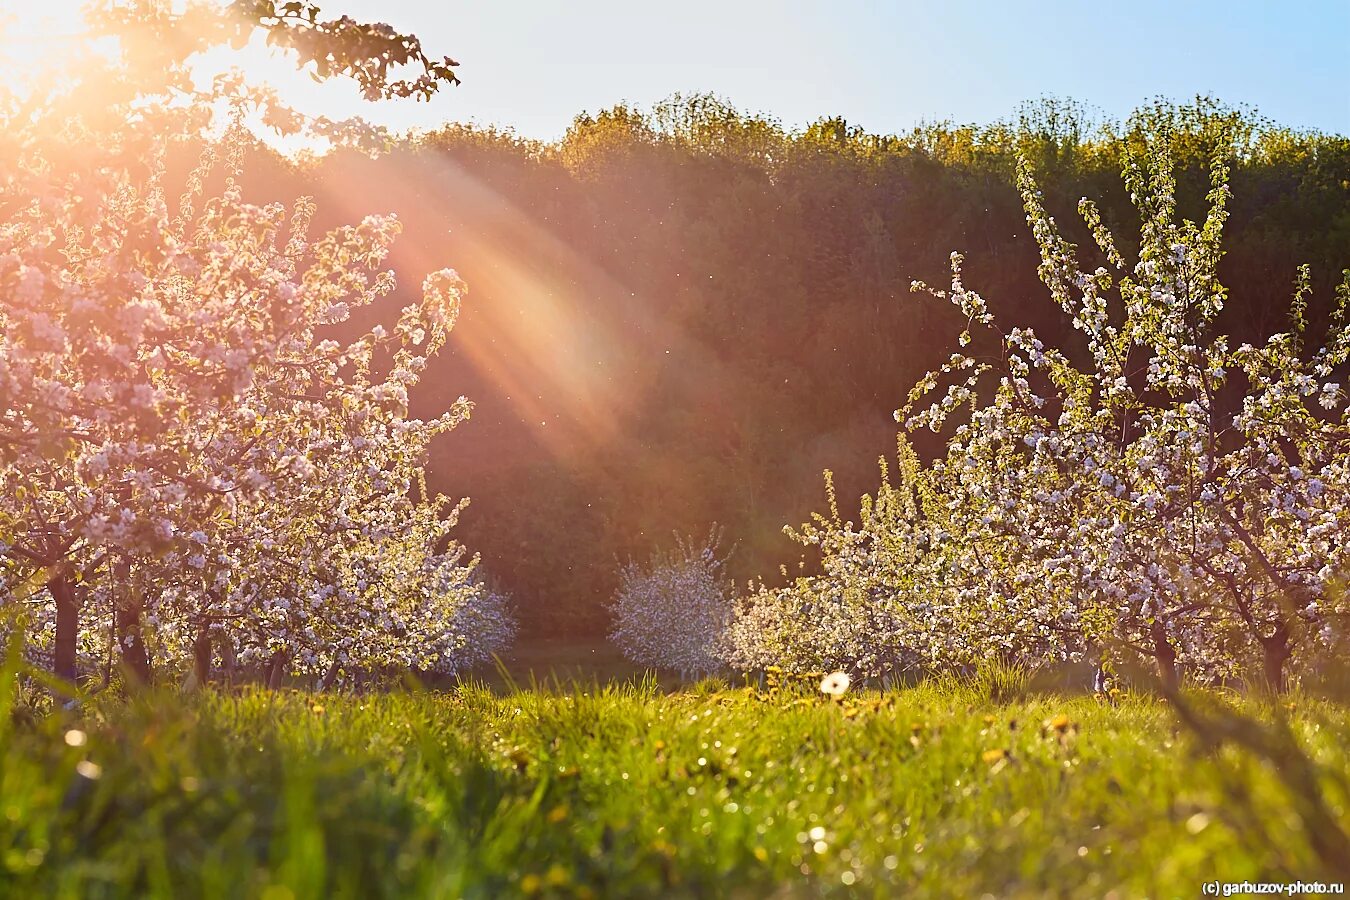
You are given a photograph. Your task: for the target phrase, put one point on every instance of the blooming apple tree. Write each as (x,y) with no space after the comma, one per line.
(1164,495)
(1177,498)
(191,466)
(175,421)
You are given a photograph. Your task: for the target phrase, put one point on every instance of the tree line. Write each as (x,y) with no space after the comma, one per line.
(681,315)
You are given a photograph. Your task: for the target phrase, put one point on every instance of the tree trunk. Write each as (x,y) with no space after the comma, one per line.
(1276,652)
(130,628)
(276,670)
(112,652)
(1165,654)
(201,655)
(135,658)
(227,660)
(67,627)
(327,680)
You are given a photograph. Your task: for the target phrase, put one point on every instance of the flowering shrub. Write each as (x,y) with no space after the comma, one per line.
(672,611)
(880,606)
(189,468)
(1175,499)
(486,625)
(172,413)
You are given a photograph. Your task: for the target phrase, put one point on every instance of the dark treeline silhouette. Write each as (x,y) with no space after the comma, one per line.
(681,316)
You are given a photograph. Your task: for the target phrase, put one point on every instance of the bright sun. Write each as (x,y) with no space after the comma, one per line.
(37,48)
(37,44)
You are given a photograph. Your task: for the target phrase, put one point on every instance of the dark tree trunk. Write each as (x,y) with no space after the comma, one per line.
(327,680)
(67,627)
(135,658)
(131,629)
(1165,654)
(1275,652)
(201,655)
(276,670)
(227,660)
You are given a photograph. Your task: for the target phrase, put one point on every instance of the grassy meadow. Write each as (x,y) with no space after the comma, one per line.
(947,788)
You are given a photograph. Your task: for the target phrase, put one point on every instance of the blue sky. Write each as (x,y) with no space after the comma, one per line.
(533,64)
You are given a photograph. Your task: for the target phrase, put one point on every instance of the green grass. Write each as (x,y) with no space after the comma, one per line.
(626,791)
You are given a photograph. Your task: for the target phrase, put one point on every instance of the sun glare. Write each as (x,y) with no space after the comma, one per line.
(38,49)
(35,47)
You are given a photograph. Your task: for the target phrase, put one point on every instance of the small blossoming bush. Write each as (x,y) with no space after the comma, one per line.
(672,611)
(879,608)
(485,625)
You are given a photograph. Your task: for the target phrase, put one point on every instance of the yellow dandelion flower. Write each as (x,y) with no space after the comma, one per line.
(995,755)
